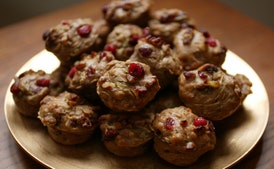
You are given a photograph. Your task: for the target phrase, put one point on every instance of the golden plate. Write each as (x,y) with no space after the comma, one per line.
(236,136)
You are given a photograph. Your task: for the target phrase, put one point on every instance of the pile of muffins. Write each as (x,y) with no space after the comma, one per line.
(137,76)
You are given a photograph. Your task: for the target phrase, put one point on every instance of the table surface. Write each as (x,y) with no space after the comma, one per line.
(241,34)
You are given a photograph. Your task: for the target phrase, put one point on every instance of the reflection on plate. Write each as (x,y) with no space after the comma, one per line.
(236,136)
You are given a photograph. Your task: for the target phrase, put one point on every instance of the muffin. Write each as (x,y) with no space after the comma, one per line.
(83,76)
(154,52)
(166,23)
(212,93)
(181,137)
(127,11)
(29,88)
(70,38)
(127,86)
(122,39)
(127,135)
(195,48)
(69,118)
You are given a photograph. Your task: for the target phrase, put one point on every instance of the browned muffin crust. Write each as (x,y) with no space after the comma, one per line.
(29,88)
(127,135)
(127,86)
(127,11)
(181,136)
(83,76)
(70,119)
(212,93)
(195,48)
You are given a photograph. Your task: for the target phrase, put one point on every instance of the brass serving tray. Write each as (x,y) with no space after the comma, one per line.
(236,136)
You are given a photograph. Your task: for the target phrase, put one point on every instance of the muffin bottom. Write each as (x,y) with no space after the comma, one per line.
(126,151)
(67,138)
(176,157)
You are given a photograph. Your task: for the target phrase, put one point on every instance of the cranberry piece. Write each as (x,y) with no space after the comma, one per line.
(146,31)
(42,82)
(111,48)
(156,41)
(183,123)
(211,42)
(80,66)
(203,75)
(105,9)
(145,51)
(65,23)
(72,72)
(129,51)
(200,122)
(205,33)
(102,55)
(136,70)
(169,124)
(91,71)
(84,30)
(110,134)
(133,39)
(189,75)
(15,88)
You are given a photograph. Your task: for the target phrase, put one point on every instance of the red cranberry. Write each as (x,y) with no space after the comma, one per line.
(205,33)
(183,123)
(169,124)
(15,88)
(133,39)
(84,30)
(110,134)
(111,48)
(65,23)
(145,51)
(80,66)
(200,122)
(136,70)
(146,31)
(155,41)
(72,72)
(102,55)
(189,75)
(105,9)
(43,82)
(211,42)
(91,71)
(202,75)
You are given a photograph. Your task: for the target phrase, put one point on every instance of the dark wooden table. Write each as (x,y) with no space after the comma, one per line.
(241,34)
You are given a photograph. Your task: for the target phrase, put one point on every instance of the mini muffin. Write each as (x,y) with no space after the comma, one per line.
(127,86)
(127,135)
(212,93)
(83,76)
(29,88)
(159,56)
(195,48)
(122,39)
(181,136)
(70,38)
(69,118)
(127,11)
(166,23)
